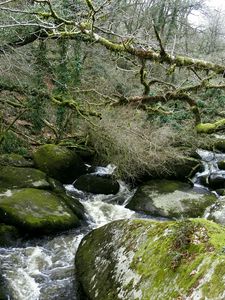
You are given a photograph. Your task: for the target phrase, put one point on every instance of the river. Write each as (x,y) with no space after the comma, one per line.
(43,269)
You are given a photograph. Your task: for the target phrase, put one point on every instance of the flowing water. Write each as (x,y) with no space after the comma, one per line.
(44,269)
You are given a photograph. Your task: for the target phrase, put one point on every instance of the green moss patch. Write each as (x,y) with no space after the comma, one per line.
(169,198)
(141,259)
(36,211)
(59,162)
(14,177)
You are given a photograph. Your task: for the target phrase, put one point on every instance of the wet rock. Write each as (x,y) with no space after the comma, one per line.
(97,184)
(142,259)
(3,289)
(204,180)
(221,165)
(36,211)
(217,213)
(220,192)
(220,145)
(216,181)
(181,168)
(170,199)
(15,160)
(14,177)
(59,163)
(8,235)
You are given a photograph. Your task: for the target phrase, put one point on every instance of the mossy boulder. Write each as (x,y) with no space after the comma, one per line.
(15,160)
(168,198)
(36,211)
(8,235)
(59,162)
(146,260)
(182,167)
(14,177)
(97,184)
(220,145)
(221,165)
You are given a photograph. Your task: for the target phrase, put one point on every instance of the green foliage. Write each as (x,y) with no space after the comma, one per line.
(36,112)
(12,143)
(214,100)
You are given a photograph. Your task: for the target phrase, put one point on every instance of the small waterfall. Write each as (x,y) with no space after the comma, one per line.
(44,269)
(210,163)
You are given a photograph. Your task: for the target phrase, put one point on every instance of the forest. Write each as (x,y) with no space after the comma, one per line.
(112,112)
(112,77)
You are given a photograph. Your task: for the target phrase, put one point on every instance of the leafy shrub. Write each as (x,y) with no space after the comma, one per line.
(12,143)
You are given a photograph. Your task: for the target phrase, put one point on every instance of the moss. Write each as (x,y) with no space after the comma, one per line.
(210,127)
(170,199)
(36,211)
(59,163)
(220,145)
(13,177)
(135,260)
(15,160)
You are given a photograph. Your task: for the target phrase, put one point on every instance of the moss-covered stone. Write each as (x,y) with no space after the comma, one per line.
(13,177)
(15,160)
(220,145)
(97,184)
(146,260)
(8,235)
(59,162)
(169,198)
(36,211)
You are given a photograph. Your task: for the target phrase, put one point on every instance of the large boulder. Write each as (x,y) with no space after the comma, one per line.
(59,162)
(97,184)
(167,198)
(14,177)
(146,260)
(36,211)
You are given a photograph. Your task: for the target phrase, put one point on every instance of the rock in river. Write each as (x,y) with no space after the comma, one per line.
(169,198)
(146,260)
(59,163)
(36,211)
(97,184)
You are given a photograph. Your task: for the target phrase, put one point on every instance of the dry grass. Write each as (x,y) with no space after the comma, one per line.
(135,146)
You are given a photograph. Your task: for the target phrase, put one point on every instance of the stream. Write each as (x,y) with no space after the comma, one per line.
(43,269)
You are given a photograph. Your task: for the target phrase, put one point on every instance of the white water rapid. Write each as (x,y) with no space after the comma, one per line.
(43,269)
